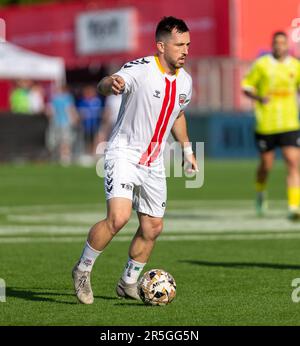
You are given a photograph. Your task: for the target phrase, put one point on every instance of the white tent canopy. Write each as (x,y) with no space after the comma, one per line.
(20,63)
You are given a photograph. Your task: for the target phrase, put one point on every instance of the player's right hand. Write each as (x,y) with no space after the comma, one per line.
(118,85)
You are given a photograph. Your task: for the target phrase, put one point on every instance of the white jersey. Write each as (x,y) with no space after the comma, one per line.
(151,102)
(113,103)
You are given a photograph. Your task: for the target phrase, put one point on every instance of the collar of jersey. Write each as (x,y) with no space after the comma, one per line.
(162,70)
(285,61)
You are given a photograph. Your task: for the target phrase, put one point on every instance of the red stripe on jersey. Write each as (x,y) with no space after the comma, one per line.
(147,153)
(165,123)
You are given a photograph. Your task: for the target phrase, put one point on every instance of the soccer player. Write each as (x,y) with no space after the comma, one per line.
(155,90)
(273,83)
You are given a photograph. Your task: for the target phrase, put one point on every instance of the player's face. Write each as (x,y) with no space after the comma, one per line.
(280,46)
(176,48)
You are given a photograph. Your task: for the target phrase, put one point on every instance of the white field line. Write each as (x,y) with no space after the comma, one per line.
(171,203)
(89,217)
(179,227)
(280,236)
(49,207)
(214,217)
(179,222)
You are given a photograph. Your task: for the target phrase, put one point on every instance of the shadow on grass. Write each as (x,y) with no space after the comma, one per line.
(42,295)
(39,295)
(126,303)
(243,265)
(193,217)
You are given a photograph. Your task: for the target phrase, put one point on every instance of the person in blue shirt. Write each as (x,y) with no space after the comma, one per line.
(90,108)
(63,118)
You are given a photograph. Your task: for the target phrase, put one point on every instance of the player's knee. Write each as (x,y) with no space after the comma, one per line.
(116,223)
(266,166)
(293,165)
(154,229)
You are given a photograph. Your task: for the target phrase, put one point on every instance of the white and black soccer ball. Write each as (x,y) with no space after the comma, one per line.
(157,287)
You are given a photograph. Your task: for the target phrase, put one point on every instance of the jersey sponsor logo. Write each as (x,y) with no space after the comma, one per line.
(157,94)
(136,62)
(127,187)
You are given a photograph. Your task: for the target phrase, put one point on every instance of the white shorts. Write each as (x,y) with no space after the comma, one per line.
(145,186)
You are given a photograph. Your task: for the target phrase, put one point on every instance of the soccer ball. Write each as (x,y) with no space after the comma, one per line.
(157,287)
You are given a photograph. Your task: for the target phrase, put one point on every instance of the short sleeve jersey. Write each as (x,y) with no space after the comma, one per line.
(279,81)
(151,102)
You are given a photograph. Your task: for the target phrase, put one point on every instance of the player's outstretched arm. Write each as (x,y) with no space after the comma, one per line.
(111,85)
(179,132)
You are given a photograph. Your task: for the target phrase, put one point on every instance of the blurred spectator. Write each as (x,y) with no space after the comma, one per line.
(109,117)
(37,99)
(63,119)
(19,98)
(90,108)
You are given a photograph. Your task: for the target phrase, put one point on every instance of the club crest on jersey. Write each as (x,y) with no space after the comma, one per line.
(182,99)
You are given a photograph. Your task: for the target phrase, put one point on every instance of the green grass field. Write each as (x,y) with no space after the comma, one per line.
(231,267)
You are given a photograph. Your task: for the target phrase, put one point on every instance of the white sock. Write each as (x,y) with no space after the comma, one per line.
(88,258)
(132,271)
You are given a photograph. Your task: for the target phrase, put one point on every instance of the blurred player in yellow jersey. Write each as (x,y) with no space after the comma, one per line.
(273,83)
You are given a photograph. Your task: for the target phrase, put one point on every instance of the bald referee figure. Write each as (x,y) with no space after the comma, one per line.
(273,83)
(155,91)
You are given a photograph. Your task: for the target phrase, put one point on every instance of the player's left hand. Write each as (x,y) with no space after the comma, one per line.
(189,163)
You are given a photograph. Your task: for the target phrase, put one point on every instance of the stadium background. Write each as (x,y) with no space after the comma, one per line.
(226,36)
(231,268)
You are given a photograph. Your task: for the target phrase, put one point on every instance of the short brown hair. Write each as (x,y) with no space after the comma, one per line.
(167,24)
